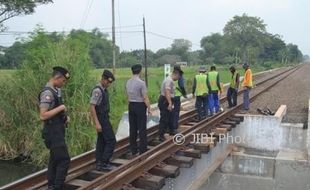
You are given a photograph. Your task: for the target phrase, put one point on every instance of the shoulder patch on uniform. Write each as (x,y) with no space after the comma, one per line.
(47,97)
(97,94)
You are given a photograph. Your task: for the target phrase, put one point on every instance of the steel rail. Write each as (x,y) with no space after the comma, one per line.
(81,164)
(149,159)
(131,171)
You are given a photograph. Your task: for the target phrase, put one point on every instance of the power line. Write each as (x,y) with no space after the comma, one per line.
(160,35)
(86,13)
(166,37)
(106,30)
(66,32)
(119,20)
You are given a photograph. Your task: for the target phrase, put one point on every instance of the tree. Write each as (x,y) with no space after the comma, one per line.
(273,48)
(13,8)
(215,48)
(195,57)
(100,48)
(127,59)
(139,54)
(161,52)
(293,53)
(168,59)
(14,55)
(245,32)
(181,47)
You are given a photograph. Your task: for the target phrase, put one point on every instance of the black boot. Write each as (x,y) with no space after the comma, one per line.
(99,166)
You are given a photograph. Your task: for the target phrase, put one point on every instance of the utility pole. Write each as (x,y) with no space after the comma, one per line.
(113,36)
(145,53)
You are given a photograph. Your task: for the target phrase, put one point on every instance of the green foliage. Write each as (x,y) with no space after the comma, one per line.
(245,39)
(14,55)
(127,59)
(20,126)
(181,47)
(13,8)
(168,59)
(100,48)
(247,32)
(215,48)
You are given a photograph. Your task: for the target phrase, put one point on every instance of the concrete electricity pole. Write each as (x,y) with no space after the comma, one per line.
(145,53)
(113,37)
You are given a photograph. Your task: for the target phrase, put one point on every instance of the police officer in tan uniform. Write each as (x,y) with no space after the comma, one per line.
(139,103)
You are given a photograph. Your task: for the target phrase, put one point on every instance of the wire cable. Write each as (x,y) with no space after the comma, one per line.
(86,13)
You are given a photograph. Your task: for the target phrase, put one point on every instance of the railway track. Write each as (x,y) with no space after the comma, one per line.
(82,174)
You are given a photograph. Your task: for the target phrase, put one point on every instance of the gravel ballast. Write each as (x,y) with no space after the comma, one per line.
(293,91)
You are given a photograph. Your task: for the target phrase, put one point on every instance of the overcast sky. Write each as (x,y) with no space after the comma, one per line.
(189,19)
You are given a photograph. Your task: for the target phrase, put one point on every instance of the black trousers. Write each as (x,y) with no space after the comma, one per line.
(232,97)
(105,142)
(201,106)
(58,167)
(166,117)
(176,111)
(137,125)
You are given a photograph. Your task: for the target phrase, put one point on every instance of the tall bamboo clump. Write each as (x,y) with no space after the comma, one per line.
(20,127)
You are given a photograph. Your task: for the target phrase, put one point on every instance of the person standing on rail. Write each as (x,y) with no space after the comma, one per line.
(200,91)
(53,114)
(179,89)
(99,110)
(232,91)
(247,84)
(165,105)
(214,86)
(139,103)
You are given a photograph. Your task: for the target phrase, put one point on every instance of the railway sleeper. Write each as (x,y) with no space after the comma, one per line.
(119,161)
(165,170)
(75,183)
(154,142)
(228,122)
(91,175)
(203,147)
(191,123)
(225,126)
(233,119)
(190,152)
(180,161)
(129,187)
(149,182)
(239,117)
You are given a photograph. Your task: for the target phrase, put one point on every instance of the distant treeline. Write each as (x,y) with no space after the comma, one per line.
(244,39)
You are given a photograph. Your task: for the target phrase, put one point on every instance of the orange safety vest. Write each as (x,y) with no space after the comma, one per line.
(248,82)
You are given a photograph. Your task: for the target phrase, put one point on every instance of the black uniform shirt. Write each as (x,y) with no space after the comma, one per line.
(47,99)
(96,95)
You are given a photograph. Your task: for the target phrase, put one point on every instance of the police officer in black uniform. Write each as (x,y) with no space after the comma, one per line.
(100,108)
(53,114)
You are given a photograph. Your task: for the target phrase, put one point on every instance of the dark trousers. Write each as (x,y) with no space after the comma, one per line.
(166,117)
(246,98)
(137,124)
(214,103)
(201,106)
(176,111)
(105,142)
(232,97)
(58,167)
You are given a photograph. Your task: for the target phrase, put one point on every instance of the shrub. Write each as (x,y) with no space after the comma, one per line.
(19,99)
